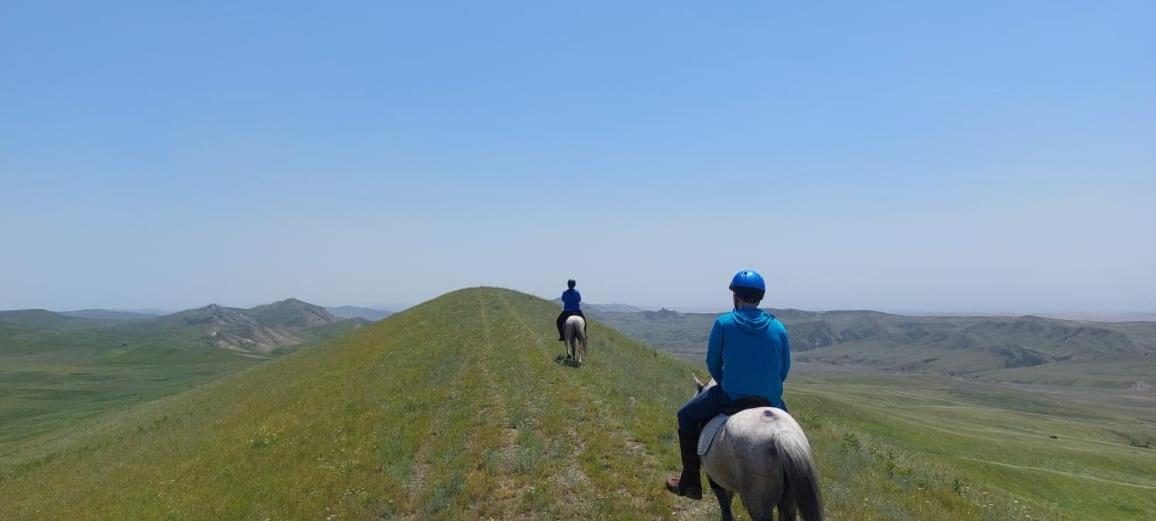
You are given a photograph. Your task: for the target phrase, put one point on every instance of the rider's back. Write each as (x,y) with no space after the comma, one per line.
(749,353)
(571,300)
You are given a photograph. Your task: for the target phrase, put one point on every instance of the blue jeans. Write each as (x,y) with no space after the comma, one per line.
(701,408)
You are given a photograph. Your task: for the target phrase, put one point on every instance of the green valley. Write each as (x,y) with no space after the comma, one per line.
(1060,413)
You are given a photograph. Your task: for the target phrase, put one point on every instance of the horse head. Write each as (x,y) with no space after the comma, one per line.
(700,386)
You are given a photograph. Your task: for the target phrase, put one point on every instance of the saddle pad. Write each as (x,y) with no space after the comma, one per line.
(708,433)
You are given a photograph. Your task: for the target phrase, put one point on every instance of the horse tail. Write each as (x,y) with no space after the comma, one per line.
(801,476)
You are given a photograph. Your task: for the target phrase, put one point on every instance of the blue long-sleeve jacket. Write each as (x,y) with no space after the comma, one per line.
(571,300)
(749,354)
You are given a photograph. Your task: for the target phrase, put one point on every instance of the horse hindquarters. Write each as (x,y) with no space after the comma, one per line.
(575,335)
(764,456)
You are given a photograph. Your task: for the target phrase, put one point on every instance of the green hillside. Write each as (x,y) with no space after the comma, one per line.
(58,371)
(454,409)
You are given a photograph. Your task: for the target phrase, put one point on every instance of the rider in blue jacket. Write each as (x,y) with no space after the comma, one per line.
(748,355)
(571,306)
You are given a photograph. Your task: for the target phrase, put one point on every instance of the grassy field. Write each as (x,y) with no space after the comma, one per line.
(459,409)
(54,380)
(1058,450)
(1073,436)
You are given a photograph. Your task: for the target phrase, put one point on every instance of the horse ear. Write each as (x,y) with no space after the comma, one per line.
(697,383)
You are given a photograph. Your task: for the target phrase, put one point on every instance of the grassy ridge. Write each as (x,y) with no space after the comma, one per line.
(454,409)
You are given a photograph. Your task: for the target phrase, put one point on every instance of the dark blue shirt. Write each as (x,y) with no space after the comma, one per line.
(570,300)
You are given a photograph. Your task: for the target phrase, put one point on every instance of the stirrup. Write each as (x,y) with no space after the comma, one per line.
(674,486)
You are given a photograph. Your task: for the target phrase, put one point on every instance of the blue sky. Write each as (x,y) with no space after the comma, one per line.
(983,156)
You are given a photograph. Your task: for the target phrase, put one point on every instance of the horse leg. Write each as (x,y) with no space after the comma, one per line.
(725,498)
(757,505)
(787,509)
(787,503)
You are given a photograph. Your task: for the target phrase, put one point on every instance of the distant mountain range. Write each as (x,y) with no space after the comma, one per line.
(370,314)
(606,308)
(259,329)
(1025,348)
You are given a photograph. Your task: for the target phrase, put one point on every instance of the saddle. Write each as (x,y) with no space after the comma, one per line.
(711,429)
(746,402)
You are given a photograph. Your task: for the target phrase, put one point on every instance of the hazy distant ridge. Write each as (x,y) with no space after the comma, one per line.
(1025,348)
(108,314)
(370,314)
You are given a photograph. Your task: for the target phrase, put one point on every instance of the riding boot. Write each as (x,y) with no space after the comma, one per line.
(689,484)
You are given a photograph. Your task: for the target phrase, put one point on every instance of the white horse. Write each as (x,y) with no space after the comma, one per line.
(575,333)
(762,455)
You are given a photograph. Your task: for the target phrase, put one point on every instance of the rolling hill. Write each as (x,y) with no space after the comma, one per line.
(459,409)
(292,313)
(260,329)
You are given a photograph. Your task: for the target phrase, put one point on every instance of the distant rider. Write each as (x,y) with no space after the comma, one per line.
(571,306)
(748,355)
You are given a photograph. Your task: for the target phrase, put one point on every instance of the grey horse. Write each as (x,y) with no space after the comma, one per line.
(762,455)
(575,331)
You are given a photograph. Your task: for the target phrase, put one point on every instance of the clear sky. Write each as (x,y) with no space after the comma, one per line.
(914,156)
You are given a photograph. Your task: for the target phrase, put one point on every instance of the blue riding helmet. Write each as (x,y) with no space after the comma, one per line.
(748,279)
